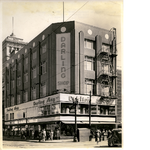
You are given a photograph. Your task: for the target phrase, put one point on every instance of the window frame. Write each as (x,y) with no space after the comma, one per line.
(88,59)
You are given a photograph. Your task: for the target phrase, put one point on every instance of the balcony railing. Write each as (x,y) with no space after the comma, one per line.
(113,52)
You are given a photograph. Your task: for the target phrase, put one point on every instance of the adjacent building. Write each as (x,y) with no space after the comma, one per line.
(59,66)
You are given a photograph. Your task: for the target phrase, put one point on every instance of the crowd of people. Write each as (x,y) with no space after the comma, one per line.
(102,135)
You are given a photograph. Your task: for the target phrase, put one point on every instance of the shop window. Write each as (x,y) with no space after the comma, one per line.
(43,49)
(55,108)
(111,111)
(43,67)
(11,116)
(88,44)
(89,63)
(89,86)
(34,72)
(93,110)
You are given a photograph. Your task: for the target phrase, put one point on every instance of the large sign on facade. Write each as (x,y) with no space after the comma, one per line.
(63,61)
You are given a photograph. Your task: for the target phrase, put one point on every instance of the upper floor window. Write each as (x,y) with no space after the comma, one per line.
(18,81)
(105,48)
(34,72)
(26,61)
(12,101)
(88,44)
(43,90)
(43,48)
(18,99)
(89,86)
(33,93)
(12,83)
(26,77)
(25,96)
(89,63)
(43,67)
(34,55)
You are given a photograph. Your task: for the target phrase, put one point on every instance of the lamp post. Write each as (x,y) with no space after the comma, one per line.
(75,133)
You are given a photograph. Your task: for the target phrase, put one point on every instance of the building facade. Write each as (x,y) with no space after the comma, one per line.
(119,96)
(59,66)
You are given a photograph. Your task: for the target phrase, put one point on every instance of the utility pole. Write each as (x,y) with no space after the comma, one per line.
(90,112)
(63,11)
(75,133)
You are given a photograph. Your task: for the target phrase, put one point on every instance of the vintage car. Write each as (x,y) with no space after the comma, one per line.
(115,138)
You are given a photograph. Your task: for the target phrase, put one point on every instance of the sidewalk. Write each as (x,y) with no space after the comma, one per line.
(53,141)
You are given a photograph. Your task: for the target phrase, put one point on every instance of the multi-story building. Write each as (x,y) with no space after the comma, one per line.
(11,45)
(58,67)
(119,96)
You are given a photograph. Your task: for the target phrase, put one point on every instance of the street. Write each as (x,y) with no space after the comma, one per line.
(66,143)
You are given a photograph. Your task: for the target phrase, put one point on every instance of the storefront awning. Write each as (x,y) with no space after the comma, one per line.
(86,122)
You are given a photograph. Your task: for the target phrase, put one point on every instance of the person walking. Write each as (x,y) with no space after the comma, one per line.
(44,135)
(51,134)
(97,136)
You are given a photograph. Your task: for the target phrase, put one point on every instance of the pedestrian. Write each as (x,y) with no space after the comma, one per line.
(39,135)
(44,134)
(51,134)
(13,133)
(103,134)
(97,136)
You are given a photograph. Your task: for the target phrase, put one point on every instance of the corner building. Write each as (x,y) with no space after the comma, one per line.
(63,64)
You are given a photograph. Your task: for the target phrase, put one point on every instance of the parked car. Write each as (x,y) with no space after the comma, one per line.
(115,138)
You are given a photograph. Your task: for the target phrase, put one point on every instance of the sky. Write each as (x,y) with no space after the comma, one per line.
(32,17)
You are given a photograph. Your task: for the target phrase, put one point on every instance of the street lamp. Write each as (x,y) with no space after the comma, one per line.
(75,133)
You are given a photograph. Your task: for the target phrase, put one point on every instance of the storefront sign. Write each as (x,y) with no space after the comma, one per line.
(63,61)
(12,108)
(79,99)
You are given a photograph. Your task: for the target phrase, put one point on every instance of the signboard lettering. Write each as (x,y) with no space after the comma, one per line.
(63,61)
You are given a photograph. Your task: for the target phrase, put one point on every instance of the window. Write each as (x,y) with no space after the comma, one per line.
(93,110)
(11,116)
(89,86)
(24,115)
(26,77)
(26,61)
(34,55)
(25,96)
(7,86)
(105,91)
(105,48)
(12,101)
(6,117)
(43,48)
(43,67)
(105,69)
(33,93)
(18,99)
(18,81)
(89,63)
(43,90)
(34,72)
(88,44)
(12,83)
